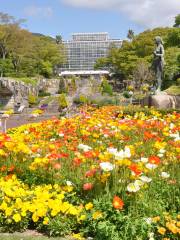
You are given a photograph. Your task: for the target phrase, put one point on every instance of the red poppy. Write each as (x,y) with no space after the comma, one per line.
(88,154)
(57,166)
(117,203)
(1,144)
(90,173)
(87,186)
(77,161)
(148,135)
(154,160)
(3,168)
(11,168)
(135,169)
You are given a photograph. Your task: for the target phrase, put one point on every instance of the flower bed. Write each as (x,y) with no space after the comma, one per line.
(109,173)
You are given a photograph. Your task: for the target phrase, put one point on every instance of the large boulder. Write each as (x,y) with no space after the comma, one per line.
(164,101)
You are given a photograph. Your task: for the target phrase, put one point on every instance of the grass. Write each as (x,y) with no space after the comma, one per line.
(173,90)
(22,236)
(27,80)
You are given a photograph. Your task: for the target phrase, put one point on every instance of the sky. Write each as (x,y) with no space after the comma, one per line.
(64,17)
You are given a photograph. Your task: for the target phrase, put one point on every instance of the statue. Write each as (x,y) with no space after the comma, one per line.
(158,63)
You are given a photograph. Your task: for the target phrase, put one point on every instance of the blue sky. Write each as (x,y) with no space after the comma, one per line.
(53,17)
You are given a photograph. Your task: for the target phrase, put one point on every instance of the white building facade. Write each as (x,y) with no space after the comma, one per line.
(84,49)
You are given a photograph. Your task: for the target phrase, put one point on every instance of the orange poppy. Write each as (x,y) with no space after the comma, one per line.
(118,203)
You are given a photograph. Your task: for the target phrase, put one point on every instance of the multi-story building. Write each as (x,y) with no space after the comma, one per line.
(84,49)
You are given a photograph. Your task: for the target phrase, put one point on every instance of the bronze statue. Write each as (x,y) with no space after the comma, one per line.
(158,62)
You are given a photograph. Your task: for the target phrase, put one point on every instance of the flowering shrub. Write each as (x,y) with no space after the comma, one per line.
(107,174)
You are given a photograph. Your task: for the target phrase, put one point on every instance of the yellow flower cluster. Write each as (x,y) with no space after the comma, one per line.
(39,202)
(170,226)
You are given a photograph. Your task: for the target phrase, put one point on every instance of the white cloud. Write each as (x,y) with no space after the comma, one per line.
(148,13)
(37,11)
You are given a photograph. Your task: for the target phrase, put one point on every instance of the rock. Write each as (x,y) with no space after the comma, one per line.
(164,101)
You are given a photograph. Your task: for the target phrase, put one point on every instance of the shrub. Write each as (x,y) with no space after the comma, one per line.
(81,99)
(126,94)
(104,101)
(106,87)
(33,100)
(62,101)
(43,94)
(62,86)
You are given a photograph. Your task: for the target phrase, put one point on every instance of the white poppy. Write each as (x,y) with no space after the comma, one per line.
(162,150)
(151,166)
(119,155)
(165,175)
(145,179)
(84,147)
(69,183)
(127,152)
(106,136)
(61,134)
(144,160)
(148,220)
(175,136)
(106,166)
(52,139)
(139,182)
(132,187)
(160,155)
(112,150)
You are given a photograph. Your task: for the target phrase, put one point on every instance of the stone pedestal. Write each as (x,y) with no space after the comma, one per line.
(164,101)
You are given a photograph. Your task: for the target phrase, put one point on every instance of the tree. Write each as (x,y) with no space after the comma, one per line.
(142,74)
(172,66)
(173,38)
(19,46)
(25,54)
(48,54)
(177,21)
(124,61)
(8,19)
(58,39)
(130,34)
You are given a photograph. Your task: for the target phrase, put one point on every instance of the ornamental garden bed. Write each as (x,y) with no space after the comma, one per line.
(109,173)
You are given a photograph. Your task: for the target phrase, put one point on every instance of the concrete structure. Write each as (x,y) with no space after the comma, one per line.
(84,73)
(13,92)
(85,48)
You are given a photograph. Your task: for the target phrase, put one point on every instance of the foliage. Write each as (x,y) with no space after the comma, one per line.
(172,66)
(130,34)
(62,101)
(105,101)
(43,94)
(177,21)
(26,54)
(127,94)
(124,61)
(106,87)
(142,74)
(107,173)
(62,86)
(32,99)
(81,99)
(173,90)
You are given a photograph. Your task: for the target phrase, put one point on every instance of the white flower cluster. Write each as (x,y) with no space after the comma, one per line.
(126,153)
(135,186)
(106,166)
(84,147)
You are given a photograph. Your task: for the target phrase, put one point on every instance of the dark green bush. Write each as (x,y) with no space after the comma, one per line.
(106,87)
(43,94)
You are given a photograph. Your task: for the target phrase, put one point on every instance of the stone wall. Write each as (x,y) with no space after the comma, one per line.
(13,91)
